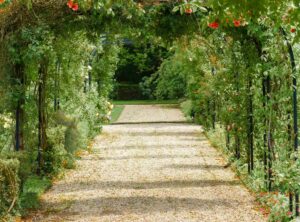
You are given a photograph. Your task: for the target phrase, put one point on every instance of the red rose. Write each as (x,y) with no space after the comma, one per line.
(188,11)
(70,4)
(75,7)
(214,25)
(293,30)
(237,23)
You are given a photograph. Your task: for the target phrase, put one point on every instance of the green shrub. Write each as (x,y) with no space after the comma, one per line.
(53,159)
(72,136)
(129,92)
(33,188)
(148,86)
(187,109)
(169,82)
(26,158)
(9,186)
(69,161)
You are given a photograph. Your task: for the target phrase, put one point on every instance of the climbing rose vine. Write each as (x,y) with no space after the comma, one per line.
(189,11)
(214,25)
(237,23)
(72,5)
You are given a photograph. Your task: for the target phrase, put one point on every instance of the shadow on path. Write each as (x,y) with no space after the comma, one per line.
(134,157)
(99,185)
(195,166)
(141,205)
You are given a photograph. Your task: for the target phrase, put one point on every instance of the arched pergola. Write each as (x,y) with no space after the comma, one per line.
(38,31)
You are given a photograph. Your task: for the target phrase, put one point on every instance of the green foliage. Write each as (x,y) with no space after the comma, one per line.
(25,157)
(33,188)
(139,59)
(83,102)
(228,74)
(72,139)
(187,108)
(279,206)
(168,83)
(171,82)
(219,72)
(128,91)
(9,186)
(274,204)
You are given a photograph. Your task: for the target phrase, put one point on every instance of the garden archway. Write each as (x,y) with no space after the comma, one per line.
(239,72)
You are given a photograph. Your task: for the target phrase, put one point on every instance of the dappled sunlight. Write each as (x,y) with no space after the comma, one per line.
(152,171)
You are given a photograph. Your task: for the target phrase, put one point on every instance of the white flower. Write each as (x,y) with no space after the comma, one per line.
(6,125)
(7,121)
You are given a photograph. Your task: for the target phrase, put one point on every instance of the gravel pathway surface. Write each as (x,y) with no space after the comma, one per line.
(151,113)
(150,172)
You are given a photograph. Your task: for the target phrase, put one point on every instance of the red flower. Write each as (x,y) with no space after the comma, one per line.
(237,23)
(70,4)
(188,11)
(213,25)
(293,30)
(75,7)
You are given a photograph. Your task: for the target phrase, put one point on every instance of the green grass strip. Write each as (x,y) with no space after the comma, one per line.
(116,112)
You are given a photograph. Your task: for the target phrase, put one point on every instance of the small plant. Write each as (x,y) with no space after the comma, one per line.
(33,188)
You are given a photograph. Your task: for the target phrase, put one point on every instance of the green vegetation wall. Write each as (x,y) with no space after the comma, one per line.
(236,62)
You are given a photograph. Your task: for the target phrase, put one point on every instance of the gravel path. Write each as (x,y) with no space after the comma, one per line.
(150,172)
(151,113)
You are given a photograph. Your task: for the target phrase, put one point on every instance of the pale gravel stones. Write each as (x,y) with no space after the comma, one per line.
(150,172)
(151,113)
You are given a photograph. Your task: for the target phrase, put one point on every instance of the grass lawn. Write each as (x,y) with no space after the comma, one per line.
(116,112)
(144,102)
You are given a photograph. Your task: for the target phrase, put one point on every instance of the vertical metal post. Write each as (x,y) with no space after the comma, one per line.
(19,111)
(237,138)
(295,108)
(265,131)
(90,80)
(17,133)
(56,99)
(208,113)
(39,154)
(227,138)
(250,129)
(295,114)
(213,72)
(269,136)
